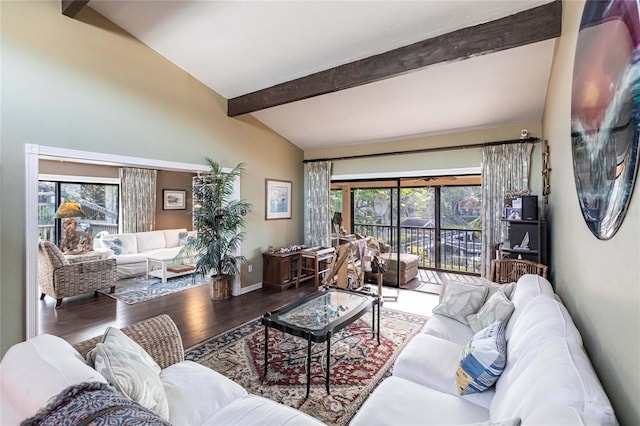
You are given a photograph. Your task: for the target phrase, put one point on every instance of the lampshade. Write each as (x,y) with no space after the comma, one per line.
(69,209)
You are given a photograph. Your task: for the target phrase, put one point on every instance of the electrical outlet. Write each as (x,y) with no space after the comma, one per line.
(250,268)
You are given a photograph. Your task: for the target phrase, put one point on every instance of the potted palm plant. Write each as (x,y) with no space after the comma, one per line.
(218,222)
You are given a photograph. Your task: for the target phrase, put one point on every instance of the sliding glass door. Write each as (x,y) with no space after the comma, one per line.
(437,219)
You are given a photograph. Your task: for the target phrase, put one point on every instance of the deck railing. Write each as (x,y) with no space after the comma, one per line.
(47,232)
(454,250)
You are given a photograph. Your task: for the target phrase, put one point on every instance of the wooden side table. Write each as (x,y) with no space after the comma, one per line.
(314,262)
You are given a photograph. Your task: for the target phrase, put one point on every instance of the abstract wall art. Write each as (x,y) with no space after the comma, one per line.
(605,112)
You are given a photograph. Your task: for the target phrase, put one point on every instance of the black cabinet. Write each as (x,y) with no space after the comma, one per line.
(536,248)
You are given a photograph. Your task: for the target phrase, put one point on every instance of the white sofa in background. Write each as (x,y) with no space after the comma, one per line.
(35,371)
(548,378)
(136,247)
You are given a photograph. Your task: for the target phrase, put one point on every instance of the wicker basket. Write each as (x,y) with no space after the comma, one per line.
(220,287)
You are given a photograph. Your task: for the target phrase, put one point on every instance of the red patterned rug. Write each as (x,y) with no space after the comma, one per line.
(358,363)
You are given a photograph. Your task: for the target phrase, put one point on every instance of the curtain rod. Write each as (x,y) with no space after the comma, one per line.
(424,150)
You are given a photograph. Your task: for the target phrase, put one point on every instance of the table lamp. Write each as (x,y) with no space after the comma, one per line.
(71,244)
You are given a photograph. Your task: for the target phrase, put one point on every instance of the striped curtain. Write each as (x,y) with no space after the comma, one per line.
(504,168)
(138,199)
(317,212)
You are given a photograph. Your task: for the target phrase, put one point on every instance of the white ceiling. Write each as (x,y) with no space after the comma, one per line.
(237,47)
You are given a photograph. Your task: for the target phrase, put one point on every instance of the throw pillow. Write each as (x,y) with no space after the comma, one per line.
(114,245)
(93,403)
(497,307)
(461,300)
(507,289)
(130,369)
(185,238)
(182,238)
(482,360)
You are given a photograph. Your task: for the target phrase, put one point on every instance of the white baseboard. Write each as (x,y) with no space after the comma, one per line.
(253,287)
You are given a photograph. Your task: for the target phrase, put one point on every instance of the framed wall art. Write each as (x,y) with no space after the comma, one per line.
(174,199)
(277,199)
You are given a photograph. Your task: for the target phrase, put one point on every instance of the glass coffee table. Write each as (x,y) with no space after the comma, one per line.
(317,317)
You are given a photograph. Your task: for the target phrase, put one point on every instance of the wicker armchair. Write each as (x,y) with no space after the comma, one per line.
(159,336)
(509,270)
(59,278)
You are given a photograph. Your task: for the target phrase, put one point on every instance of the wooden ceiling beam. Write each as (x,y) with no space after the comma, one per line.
(71,8)
(530,26)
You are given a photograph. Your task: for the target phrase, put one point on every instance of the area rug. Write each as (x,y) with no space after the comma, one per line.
(140,289)
(358,363)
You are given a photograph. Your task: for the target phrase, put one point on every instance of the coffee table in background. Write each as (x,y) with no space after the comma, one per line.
(166,266)
(319,316)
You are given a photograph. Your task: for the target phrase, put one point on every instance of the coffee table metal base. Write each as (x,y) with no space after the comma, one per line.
(324,336)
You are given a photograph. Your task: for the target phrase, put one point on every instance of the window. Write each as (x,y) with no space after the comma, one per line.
(99,202)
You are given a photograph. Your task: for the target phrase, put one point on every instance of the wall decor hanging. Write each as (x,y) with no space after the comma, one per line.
(277,199)
(605,112)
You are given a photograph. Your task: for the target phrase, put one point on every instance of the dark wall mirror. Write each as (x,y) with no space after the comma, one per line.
(605,112)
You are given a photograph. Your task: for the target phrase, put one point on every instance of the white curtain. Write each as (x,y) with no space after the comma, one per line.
(138,199)
(317,221)
(504,168)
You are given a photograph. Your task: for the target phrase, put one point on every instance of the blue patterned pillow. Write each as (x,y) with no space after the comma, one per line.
(483,359)
(116,246)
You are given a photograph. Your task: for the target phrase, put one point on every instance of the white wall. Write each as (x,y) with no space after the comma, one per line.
(599,281)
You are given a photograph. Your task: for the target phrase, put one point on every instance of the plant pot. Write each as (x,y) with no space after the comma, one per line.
(220,287)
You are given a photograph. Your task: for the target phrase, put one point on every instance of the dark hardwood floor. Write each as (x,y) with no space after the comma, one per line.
(196,315)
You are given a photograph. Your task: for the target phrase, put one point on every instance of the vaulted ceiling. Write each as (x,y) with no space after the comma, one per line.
(327,73)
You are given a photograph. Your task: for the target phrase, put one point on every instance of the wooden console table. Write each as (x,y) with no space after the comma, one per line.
(280,270)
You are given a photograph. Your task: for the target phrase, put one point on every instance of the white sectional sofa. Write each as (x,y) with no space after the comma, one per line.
(548,378)
(35,371)
(131,250)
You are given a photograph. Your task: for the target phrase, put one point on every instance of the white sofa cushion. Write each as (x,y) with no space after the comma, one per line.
(397,401)
(256,410)
(433,362)
(150,240)
(36,370)
(172,237)
(197,393)
(126,259)
(559,416)
(551,374)
(528,287)
(448,329)
(540,319)
(165,252)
